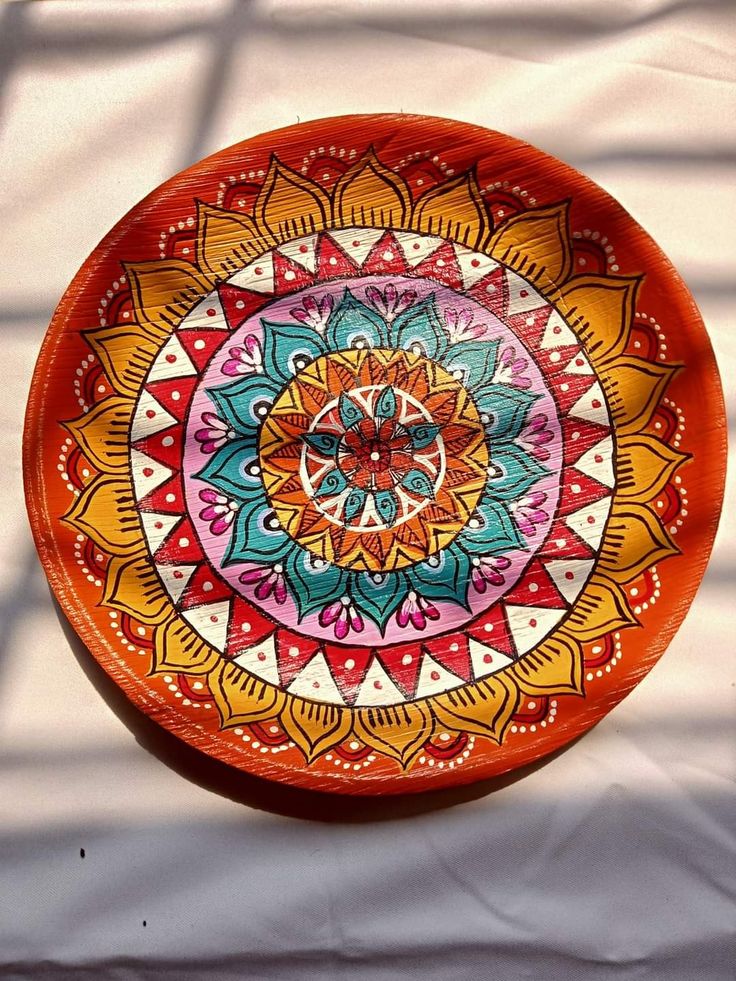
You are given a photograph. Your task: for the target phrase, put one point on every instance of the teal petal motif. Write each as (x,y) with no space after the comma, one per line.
(354,504)
(257,536)
(444,576)
(245,403)
(287,348)
(490,531)
(325,444)
(378,594)
(472,362)
(386,403)
(419,329)
(312,582)
(332,483)
(422,434)
(418,483)
(350,413)
(234,470)
(386,506)
(352,323)
(507,408)
(516,472)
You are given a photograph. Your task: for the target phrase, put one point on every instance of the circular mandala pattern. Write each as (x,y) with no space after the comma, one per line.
(374,468)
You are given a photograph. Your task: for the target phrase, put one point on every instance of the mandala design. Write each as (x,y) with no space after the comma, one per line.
(369,476)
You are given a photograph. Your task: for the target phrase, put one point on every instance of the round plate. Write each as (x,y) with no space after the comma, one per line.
(367,455)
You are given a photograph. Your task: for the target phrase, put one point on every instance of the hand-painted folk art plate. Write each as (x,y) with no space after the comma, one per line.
(376,454)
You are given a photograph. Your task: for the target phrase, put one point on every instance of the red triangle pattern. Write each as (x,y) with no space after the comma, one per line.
(332,261)
(452,653)
(442,265)
(579,436)
(493,292)
(563,543)
(289,276)
(536,588)
(293,653)
(164,446)
(181,547)
(238,304)
(204,587)
(348,666)
(158,501)
(200,345)
(174,394)
(247,627)
(531,333)
(578,491)
(386,257)
(492,629)
(402,665)
(569,388)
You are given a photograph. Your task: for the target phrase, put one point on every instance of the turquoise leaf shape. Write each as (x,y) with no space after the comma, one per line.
(257,536)
(386,505)
(378,594)
(386,403)
(418,483)
(422,434)
(490,530)
(472,362)
(516,472)
(311,581)
(350,413)
(444,576)
(507,408)
(327,444)
(352,323)
(245,403)
(333,483)
(419,329)
(354,504)
(287,348)
(234,470)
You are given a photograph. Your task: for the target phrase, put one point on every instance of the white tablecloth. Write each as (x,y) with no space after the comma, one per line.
(615,860)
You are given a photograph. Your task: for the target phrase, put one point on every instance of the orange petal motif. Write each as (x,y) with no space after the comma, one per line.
(315,727)
(454,210)
(289,205)
(369,194)
(163,291)
(227,240)
(241,698)
(536,244)
(485,709)
(105,511)
(399,731)
(600,310)
(556,666)
(103,434)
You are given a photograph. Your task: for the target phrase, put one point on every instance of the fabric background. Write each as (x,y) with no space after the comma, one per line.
(616,859)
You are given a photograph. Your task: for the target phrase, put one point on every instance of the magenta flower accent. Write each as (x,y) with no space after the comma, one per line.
(313,312)
(220,511)
(344,616)
(460,326)
(268,580)
(510,369)
(216,433)
(529,514)
(244,360)
(389,302)
(488,569)
(536,435)
(415,609)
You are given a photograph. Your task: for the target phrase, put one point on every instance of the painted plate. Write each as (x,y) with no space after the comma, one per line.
(376,454)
